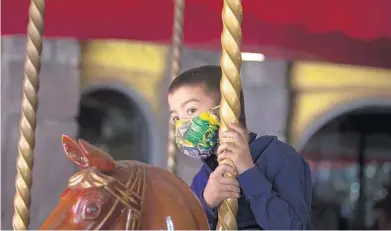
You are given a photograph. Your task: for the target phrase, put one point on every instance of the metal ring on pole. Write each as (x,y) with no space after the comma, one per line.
(177,39)
(231,60)
(24,163)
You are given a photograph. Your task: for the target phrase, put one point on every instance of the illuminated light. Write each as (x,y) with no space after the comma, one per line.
(257,57)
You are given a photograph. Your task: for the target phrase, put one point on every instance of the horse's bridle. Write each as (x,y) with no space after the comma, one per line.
(130,194)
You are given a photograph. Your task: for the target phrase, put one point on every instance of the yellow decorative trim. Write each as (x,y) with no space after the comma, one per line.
(136,65)
(310,75)
(321,87)
(124,54)
(311,106)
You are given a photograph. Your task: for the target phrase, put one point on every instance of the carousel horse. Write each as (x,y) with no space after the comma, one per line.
(122,195)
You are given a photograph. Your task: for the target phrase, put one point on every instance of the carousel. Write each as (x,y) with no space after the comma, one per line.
(130,195)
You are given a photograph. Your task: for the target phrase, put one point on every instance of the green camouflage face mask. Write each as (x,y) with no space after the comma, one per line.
(198,136)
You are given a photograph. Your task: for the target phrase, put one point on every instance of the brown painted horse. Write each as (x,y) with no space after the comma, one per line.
(122,195)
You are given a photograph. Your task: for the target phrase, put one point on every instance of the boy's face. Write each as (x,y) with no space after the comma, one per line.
(189,101)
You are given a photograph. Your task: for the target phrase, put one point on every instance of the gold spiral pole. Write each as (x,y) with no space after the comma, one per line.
(24,163)
(177,38)
(231,60)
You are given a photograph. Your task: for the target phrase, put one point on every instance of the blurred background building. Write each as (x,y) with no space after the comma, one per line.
(113,93)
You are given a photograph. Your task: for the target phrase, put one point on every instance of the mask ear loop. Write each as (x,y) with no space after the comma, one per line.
(215,108)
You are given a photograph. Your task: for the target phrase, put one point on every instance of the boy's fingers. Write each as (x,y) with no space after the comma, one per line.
(223,168)
(226,195)
(238,129)
(232,136)
(230,188)
(229,147)
(229,181)
(225,155)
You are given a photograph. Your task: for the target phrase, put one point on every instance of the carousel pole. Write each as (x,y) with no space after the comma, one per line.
(24,162)
(177,38)
(231,60)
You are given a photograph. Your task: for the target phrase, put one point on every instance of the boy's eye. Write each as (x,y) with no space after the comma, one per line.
(191,111)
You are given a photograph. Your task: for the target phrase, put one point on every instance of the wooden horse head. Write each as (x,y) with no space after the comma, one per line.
(98,196)
(122,195)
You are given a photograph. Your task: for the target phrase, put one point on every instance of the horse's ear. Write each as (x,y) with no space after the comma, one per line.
(97,157)
(74,152)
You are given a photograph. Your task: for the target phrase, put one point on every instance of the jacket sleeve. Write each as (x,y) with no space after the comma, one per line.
(283,205)
(198,185)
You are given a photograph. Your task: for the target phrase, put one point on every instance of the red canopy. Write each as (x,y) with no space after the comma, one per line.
(349,31)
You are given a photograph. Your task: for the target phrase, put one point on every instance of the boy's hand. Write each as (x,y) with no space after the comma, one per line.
(238,150)
(219,187)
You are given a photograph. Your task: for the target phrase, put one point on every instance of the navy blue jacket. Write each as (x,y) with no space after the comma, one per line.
(276,193)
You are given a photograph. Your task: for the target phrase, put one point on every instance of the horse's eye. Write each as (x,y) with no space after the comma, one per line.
(91,211)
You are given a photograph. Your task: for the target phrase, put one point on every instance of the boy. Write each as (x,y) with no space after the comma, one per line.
(273,185)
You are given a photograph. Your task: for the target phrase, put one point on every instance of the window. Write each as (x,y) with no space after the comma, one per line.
(114,122)
(350,159)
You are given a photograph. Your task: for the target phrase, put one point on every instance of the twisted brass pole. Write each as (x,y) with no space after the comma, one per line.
(177,37)
(24,163)
(231,60)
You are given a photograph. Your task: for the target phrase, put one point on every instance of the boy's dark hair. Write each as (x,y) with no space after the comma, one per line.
(209,76)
